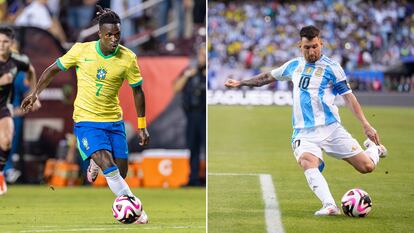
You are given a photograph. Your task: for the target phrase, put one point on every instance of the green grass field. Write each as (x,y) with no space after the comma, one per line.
(257,140)
(27,209)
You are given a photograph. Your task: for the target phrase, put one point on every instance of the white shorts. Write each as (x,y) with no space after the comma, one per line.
(333,139)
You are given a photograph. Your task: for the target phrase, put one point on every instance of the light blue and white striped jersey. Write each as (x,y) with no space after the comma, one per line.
(315,86)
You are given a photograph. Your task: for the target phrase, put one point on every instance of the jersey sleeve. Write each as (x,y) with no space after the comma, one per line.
(133,73)
(22,62)
(285,71)
(70,58)
(340,82)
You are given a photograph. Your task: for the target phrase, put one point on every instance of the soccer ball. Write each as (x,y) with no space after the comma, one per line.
(356,203)
(127,209)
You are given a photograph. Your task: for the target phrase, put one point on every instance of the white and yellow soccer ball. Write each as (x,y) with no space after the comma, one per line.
(356,203)
(127,209)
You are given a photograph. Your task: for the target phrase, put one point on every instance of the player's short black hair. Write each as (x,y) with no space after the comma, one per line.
(309,32)
(8,31)
(106,16)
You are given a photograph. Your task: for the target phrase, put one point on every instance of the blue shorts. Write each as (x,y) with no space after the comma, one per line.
(94,136)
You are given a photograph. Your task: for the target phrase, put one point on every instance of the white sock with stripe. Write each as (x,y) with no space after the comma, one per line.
(373,153)
(116,183)
(319,186)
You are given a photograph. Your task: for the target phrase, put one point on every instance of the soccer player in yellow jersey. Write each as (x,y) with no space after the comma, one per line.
(101,67)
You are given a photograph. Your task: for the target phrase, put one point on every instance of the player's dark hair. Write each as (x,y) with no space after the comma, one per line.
(8,31)
(106,16)
(309,32)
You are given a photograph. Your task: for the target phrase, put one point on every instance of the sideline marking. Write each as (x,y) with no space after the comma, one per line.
(272,212)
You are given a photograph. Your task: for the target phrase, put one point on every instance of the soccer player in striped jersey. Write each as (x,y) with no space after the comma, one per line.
(316,122)
(101,67)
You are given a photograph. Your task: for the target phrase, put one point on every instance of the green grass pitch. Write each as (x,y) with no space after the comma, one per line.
(246,139)
(26,209)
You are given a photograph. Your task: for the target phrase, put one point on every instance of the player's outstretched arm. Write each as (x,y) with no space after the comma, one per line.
(257,81)
(44,81)
(139,99)
(182,80)
(353,104)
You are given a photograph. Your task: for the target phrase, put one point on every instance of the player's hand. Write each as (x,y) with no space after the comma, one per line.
(372,134)
(28,102)
(232,83)
(190,72)
(143,137)
(5,79)
(36,105)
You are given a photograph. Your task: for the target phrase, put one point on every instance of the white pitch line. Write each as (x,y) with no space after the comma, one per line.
(112,228)
(234,174)
(272,212)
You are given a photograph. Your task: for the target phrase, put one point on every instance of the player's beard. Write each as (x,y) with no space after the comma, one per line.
(312,58)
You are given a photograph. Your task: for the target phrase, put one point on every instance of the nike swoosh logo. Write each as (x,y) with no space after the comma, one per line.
(87,59)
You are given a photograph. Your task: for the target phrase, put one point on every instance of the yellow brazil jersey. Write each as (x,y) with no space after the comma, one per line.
(99,79)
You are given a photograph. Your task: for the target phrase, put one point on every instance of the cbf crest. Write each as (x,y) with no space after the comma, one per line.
(85,143)
(101,74)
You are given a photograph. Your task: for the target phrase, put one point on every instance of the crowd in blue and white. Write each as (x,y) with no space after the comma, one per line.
(246,38)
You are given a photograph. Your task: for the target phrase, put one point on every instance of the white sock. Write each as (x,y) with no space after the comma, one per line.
(319,186)
(373,153)
(117,184)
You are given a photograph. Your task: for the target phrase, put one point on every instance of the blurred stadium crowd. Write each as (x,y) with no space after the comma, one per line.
(66,19)
(361,35)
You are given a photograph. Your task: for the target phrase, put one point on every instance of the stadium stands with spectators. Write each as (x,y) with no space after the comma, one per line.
(365,37)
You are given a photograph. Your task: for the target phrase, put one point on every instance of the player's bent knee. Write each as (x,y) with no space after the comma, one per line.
(367,168)
(103,159)
(307,161)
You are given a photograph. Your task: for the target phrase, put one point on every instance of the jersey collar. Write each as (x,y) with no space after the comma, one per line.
(98,49)
(320,59)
